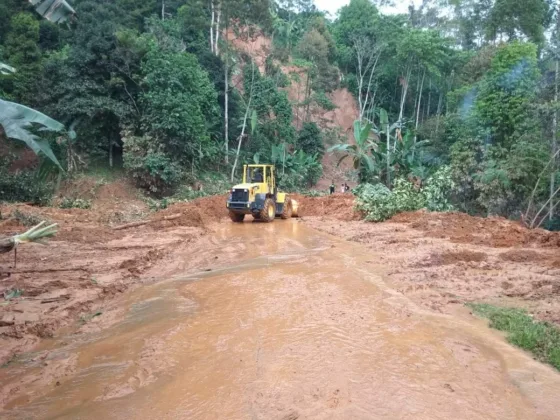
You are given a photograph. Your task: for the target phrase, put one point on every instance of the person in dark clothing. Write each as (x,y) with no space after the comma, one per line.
(331,188)
(258,175)
(346,187)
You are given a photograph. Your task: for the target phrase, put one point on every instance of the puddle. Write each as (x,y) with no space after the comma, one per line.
(299,328)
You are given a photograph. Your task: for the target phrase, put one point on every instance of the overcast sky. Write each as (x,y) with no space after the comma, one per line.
(333,5)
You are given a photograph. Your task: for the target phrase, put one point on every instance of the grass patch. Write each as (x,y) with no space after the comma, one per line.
(540,338)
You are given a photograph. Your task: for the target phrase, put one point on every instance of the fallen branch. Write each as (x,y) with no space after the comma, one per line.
(56,299)
(35,234)
(145,222)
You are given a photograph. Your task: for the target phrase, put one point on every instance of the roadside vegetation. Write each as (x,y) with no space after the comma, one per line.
(456,104)
(540,338)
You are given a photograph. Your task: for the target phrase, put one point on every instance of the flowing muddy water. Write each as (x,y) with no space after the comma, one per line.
(301,326)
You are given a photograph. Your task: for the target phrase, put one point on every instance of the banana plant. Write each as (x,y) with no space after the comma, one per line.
(360,152)
(18,121)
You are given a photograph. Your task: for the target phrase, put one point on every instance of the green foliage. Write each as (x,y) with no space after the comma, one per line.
(310,140)
(324,101)
(179,102)
(18,122)
(378,203)
(150,167)
(23,187)
(360,152)
(540,338)
(507,90)
(438,190)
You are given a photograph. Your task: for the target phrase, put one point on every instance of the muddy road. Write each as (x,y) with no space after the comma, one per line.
(296,324)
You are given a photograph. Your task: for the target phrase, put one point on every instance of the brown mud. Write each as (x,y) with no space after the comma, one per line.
(443,260)
(288,323)
(271,321)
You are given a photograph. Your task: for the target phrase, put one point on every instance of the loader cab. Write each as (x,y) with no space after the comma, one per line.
(262,177)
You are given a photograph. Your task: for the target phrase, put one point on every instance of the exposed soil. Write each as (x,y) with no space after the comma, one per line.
(441,260)
(88,262)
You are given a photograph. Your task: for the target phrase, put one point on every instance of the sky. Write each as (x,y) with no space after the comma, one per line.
(333,5)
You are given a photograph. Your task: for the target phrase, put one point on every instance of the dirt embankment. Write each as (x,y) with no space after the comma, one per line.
(443,259)
(89,262)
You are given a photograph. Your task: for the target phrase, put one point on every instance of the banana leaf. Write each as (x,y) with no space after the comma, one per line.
(57,11)
(17,120)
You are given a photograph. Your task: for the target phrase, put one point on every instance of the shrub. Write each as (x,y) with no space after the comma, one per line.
(324,101)
(151,168)
(378,203)
(438,189)
(23,187)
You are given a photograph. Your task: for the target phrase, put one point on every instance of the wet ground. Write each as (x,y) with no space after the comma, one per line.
(299,326)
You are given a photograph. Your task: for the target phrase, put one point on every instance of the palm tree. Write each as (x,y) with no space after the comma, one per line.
(360,152)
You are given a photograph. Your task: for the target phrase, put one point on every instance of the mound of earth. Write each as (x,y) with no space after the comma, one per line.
(338,206)
(89,261)
(496,232)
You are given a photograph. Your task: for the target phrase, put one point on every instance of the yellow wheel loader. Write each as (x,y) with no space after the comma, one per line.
(258,195)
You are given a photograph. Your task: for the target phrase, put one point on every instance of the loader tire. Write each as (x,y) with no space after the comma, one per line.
(287,211)
(268,212)
(236,217)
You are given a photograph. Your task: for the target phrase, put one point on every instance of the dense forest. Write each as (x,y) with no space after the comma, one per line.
(457,100)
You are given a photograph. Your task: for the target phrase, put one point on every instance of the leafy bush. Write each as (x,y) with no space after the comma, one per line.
(438,190)
(324,101)
(23,187)
(378,203)
(151,168)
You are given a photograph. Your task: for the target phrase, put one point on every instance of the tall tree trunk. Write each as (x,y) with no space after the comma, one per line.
(162,9)
(212,21)
(418,113)
(110,152)
(247,110)
(226,98)
(388,157)
(427,114)
(217,37)
(438,111)
(307,95)
(404,92)
(554,144)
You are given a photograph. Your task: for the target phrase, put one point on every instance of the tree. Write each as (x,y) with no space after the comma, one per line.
(310,140)
(511,18)
(360,152)
(506,91)
(178,101)
(22,52)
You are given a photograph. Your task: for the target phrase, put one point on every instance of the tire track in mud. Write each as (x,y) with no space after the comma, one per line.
(304,328)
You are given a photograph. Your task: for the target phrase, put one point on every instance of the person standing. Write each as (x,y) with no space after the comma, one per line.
(342,189)
(331,188)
